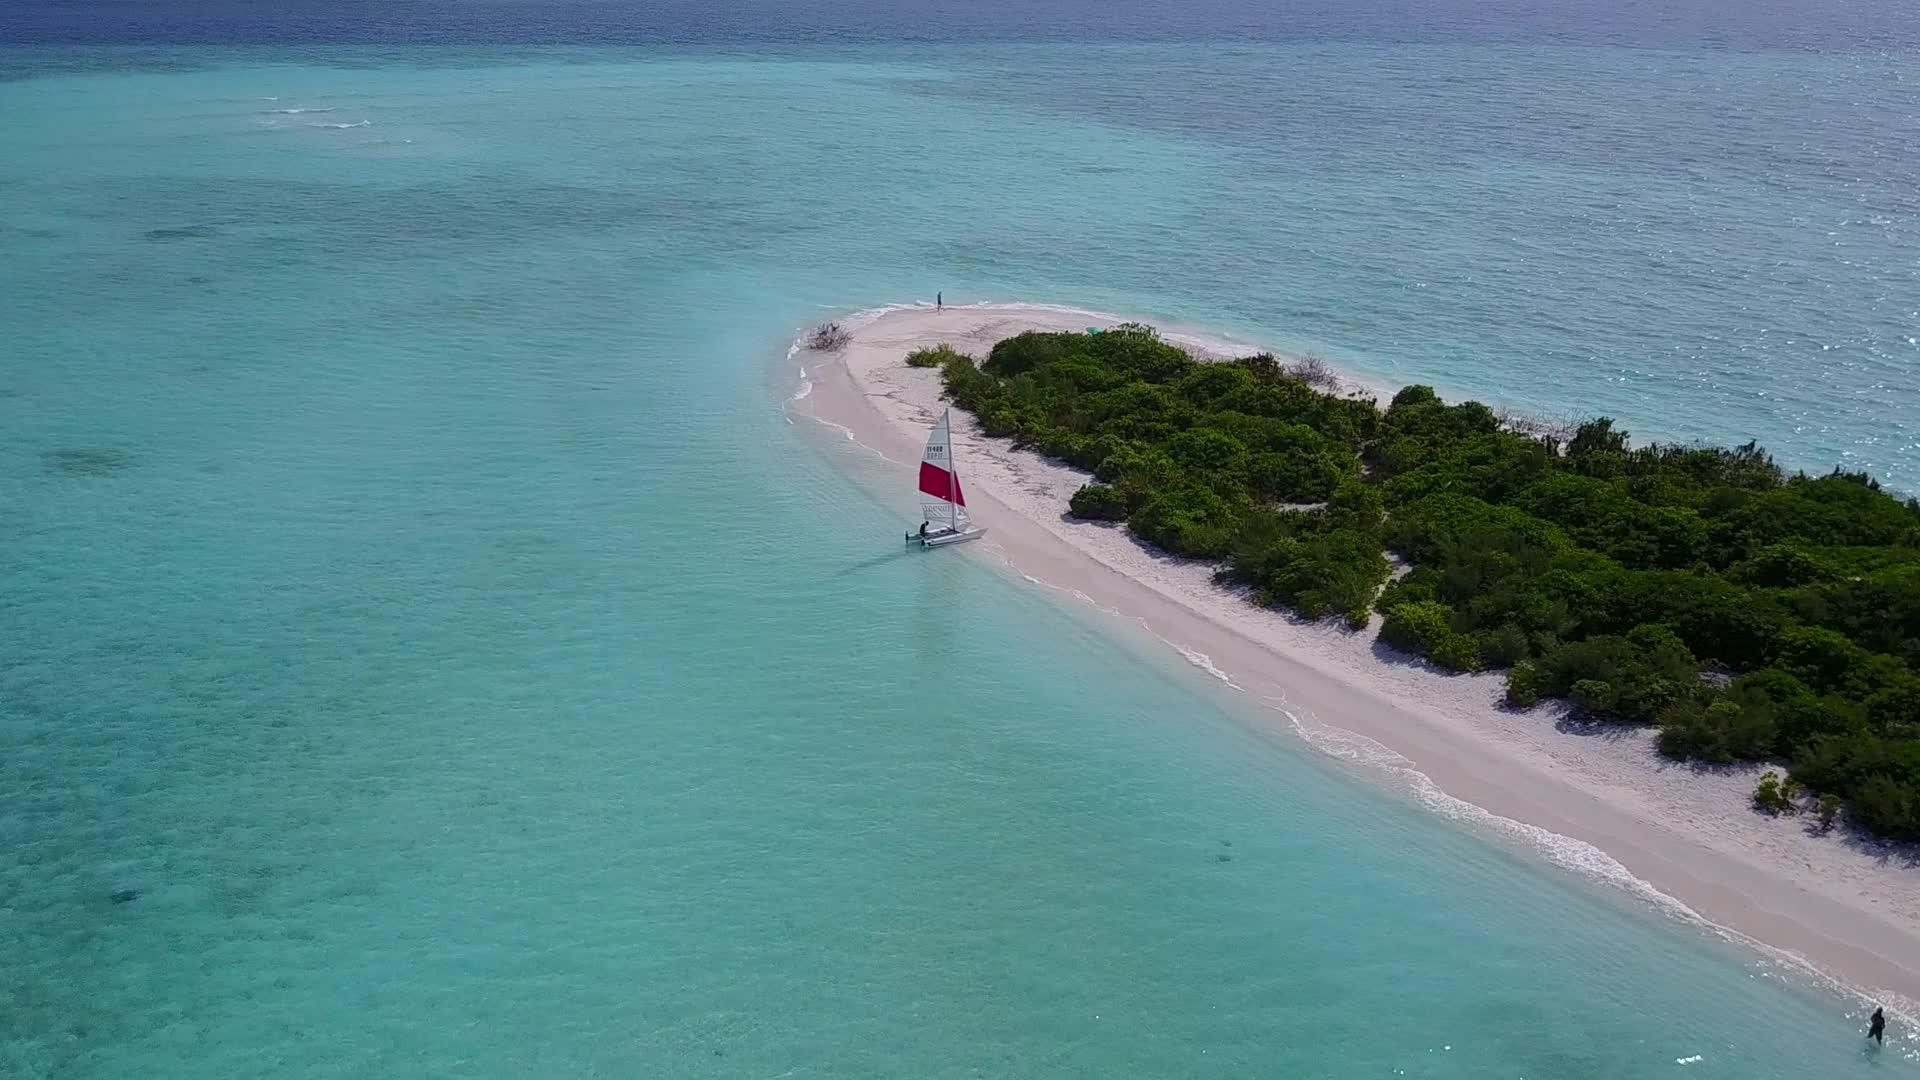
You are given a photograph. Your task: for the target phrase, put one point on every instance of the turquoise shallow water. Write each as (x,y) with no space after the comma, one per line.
(387,598)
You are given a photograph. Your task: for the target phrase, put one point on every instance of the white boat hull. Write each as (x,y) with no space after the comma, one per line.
(943,537)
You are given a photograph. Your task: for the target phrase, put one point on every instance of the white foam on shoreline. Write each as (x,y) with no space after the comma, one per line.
(1075,593)
(1205,663)
(848,432)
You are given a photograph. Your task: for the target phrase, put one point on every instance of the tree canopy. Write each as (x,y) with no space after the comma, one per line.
(1749,613)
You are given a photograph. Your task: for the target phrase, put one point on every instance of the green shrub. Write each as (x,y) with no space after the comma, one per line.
(1293,559)
(1602,657)
(1523,686)
(1098,502)
(1458,652)
(1888,807)
(1594,695)
(1829,765)
(1897,706)
(1188,519)
(1502,646)
(1823,659)
(1804,718)
(1745,735)
(1655,639)
(1685,734)
(1025,352)
(1772,796)
(936,356)
(1827,809)
(1358,618)
(1780,566)
(1878,778)
(1356,505)
(1421,584)
(1721,732)
(1644,673)
(1417,627)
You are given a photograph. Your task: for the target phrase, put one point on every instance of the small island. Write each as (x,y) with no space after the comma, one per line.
(1394,586)
(1749,614)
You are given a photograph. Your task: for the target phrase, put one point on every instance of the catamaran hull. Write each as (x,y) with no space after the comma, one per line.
(934,540)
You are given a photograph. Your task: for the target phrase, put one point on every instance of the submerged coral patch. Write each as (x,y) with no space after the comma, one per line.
(184,232)
(87,460)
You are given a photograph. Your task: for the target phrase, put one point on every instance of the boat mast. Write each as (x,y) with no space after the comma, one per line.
(953,477)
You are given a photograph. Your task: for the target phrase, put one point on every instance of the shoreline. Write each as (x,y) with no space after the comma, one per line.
(1604,803)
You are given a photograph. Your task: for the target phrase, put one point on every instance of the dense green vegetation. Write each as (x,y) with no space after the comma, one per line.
(1749,614)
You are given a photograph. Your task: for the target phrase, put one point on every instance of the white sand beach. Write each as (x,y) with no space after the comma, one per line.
(1604,804)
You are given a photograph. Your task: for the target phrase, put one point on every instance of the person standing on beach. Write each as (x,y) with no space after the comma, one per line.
(936,301)
(1877,1026)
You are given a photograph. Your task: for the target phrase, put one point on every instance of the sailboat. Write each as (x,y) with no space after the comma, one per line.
(943,506)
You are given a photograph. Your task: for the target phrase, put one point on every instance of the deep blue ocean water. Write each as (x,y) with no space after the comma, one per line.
(391,428)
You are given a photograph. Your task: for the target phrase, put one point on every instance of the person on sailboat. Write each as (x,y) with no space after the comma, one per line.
(923,530)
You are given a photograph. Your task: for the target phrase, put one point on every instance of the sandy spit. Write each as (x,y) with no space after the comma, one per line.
(1602,804)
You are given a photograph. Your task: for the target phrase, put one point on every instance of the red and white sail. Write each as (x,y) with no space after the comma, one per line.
(940,496)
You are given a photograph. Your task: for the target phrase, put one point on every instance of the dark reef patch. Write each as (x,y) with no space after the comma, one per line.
(87,460)
(184,232)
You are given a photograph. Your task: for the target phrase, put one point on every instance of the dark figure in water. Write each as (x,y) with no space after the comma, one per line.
(936,301)
(1877,1027)
(923,530)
